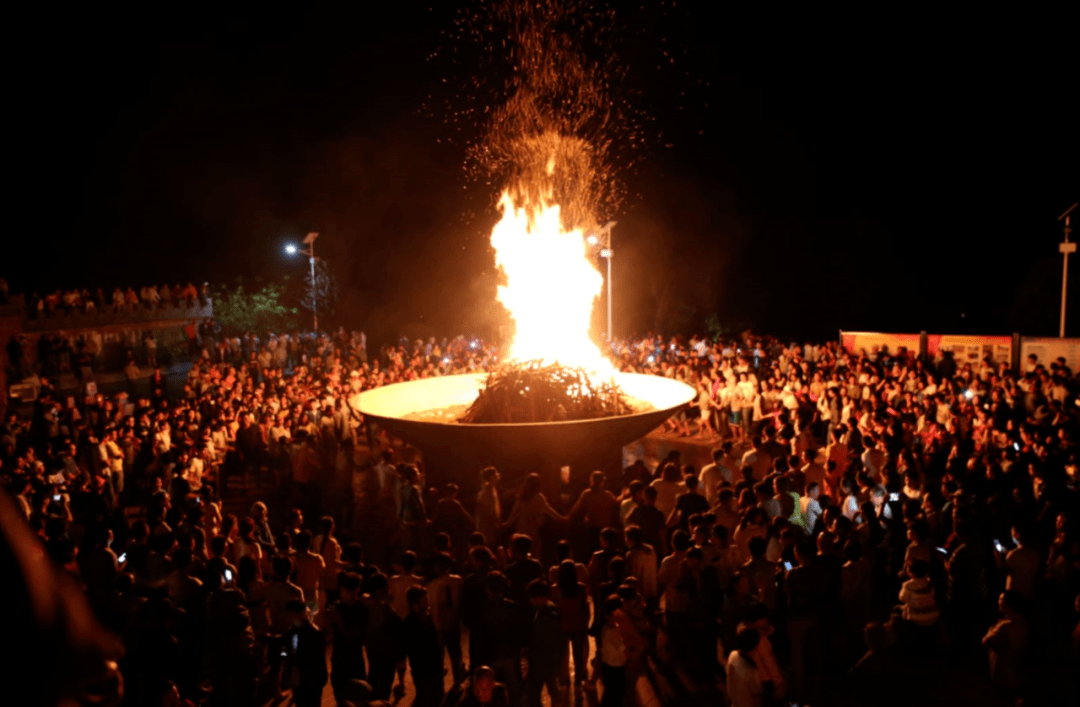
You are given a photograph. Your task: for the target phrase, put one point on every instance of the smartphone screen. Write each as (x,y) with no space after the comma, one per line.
(123,558)
(228,575)
(894,497)
(56,497)
(787,566)
(943,551)
(999,546)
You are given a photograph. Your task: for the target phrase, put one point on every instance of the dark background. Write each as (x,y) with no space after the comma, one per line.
(806,173)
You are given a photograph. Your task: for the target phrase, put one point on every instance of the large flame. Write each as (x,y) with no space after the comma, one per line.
(551,286)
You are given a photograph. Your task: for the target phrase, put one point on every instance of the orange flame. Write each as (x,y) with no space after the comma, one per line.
(551,286)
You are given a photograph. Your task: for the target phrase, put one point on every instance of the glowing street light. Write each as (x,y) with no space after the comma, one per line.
(591,240)
(290,248)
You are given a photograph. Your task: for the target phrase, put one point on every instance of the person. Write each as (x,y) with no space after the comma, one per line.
(384,647)
(450,517)
(744,683)
(412,515)
(308,656)
(483,690)
(564,551)
(571,598)
(612,656)
(488,508)
(811,508)
(522,569)
(404,577)
(424,649)
(328,547)
(642,563)
(689,502)
(444,600)
(651,520)
(309,569)
(757,458)
(773,685)
(668,487)
(597,508)
(806,589)
(530,512)
(1006,643)
(632,497)
(347,621)
(761,572)
(547,646)
(496,639)
(716,473)
(917,596)
(279,592)
(1022,564)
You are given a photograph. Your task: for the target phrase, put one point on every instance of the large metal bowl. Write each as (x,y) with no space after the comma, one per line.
(522,446)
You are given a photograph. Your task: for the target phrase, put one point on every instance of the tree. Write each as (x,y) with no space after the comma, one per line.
(256,310)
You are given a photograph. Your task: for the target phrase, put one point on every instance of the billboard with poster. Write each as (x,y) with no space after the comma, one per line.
(870,341)
(1048,349)
(970,349)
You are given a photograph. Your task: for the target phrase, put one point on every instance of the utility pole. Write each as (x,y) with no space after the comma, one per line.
(1065,248)
(309,241)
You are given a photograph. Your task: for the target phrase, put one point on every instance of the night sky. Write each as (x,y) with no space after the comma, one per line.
(807,173)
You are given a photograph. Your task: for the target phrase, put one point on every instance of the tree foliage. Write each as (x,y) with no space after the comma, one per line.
(256,309)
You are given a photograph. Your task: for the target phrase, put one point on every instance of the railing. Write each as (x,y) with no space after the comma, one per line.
(61,319)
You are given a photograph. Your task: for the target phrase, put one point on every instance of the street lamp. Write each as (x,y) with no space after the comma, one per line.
(1065,248)
(291,249)
(603,239)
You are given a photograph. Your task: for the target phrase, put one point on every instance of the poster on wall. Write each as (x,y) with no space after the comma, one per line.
(970,349)
(871,342)
(1048,349)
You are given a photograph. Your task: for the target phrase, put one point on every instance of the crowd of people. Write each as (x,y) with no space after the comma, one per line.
(77,300)
(870,521)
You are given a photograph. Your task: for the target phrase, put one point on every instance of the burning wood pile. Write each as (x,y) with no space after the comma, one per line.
(531,391)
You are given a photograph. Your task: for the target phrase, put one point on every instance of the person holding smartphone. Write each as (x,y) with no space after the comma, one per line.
(306,646)
(1021,564)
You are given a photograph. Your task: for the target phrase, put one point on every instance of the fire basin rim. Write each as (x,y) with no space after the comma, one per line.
(530,445)
(393,402)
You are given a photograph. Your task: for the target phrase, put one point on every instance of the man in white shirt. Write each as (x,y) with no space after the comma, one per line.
(743,686)
(811,508)
(641,563)
(713,474)
(758,459)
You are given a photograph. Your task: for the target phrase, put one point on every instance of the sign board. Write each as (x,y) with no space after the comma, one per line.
(25,392)
(1048,349)
(877,342)
(1067,247)
(970,349)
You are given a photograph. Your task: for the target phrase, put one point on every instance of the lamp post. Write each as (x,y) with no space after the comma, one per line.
(291,249)
(603,239)
(1065,248)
